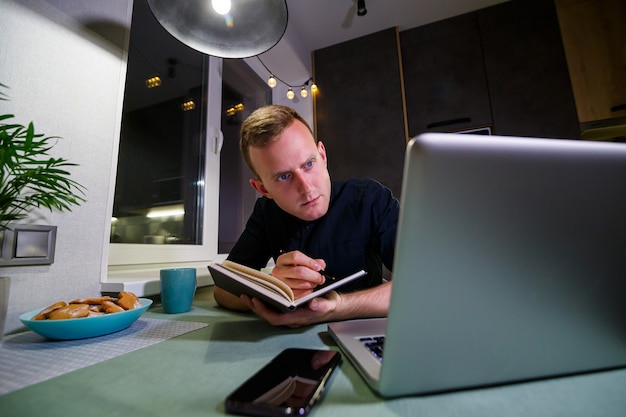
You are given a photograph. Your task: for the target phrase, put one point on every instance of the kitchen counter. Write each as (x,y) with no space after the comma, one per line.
(191,374)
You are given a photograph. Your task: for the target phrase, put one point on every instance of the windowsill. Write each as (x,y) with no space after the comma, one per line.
(143,280)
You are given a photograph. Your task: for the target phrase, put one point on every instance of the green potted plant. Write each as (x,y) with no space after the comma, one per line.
(29,179)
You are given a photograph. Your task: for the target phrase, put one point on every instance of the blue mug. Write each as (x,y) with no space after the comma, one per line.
(178,286)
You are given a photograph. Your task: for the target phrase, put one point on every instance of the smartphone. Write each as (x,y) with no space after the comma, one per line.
(289,385)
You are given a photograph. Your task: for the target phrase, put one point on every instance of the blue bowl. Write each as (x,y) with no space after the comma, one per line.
(82,328)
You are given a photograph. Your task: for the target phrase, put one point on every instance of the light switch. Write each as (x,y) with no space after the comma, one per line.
(31,243)
(25,244)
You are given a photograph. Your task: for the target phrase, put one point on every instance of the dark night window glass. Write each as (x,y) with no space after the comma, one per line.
(161,155)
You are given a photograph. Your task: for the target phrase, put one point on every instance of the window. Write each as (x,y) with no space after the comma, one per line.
(165,207)
(170,159)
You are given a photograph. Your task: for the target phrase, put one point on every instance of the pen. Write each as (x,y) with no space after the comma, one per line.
(326,275)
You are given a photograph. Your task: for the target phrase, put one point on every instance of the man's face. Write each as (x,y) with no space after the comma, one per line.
(293,172)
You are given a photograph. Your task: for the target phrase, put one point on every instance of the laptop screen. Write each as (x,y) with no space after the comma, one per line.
(509,262)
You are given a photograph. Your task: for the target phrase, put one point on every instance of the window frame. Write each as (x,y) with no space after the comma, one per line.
(123,256)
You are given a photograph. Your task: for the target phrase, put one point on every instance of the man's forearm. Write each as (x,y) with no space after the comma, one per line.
(373,302)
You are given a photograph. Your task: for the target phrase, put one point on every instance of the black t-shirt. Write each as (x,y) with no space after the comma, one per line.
(358,232)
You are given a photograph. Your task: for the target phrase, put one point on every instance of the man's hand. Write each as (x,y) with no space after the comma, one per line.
(373,302)
(317,310)
(297,270)
(300,272)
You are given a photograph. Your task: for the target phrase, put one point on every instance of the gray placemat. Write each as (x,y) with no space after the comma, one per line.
(28,358)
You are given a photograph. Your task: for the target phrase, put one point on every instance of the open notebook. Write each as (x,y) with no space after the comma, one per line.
(509,266)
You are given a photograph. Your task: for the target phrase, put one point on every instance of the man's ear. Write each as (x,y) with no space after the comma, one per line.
(257,184)
(322,150)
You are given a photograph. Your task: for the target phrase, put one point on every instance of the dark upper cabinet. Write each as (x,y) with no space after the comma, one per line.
(503,66)
(444,76)
(527,73)
(358,108)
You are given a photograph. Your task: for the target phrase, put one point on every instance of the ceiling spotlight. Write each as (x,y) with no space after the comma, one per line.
(360,8)
(188,105)
(231,111)
(154,81)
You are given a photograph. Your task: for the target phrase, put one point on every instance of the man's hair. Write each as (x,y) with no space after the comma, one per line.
(263,126)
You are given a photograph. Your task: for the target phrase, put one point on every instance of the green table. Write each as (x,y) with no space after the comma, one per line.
(190,375)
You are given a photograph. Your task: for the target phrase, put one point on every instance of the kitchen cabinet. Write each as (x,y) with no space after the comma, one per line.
(527,73)
(444,76)
(594,37)
(359,112)
(503,66)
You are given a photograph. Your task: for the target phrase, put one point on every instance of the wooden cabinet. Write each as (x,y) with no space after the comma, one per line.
(527,72)
(358,108)
(594,37)
(444,76)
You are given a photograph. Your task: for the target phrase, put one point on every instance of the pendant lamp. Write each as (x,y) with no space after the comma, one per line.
(224,28)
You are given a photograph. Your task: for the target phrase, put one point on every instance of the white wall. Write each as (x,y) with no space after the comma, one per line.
(69,80)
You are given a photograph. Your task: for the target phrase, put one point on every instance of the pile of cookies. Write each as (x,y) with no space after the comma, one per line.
(89,307)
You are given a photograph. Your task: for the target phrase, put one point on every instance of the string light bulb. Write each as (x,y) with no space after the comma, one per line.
(273,80)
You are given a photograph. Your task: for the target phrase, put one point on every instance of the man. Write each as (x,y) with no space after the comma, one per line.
(307,223)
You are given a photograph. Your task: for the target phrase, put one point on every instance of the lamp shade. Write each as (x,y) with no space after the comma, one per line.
(248,28)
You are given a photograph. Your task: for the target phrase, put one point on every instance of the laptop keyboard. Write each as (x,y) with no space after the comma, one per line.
(375,345)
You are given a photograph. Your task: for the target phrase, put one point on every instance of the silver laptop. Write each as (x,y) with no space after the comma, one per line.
(510,265)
